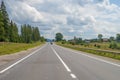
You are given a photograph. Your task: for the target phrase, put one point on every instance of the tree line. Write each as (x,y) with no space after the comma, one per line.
(9,30)
(114,42)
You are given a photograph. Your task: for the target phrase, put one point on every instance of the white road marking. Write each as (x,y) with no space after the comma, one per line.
(98,59)
(64,64)
(73,76)
(9,67)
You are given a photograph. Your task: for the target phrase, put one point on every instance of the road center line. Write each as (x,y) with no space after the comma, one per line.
(73,76)
(9,67)
(64,64)
(98,59)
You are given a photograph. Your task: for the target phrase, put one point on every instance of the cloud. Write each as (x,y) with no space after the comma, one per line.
(84,18)
(22,12)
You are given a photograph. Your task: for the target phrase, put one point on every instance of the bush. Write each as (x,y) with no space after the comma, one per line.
(95,45)
(81,44)
(86,45)
(113,45)
(63,42)
(98,46)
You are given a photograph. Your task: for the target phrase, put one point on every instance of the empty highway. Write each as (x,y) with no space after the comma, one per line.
(52,62)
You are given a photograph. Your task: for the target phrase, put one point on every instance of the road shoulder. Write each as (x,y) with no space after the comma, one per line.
(5,59)
(97,56)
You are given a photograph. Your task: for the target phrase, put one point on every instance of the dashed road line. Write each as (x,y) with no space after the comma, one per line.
(64,64)
(73,75)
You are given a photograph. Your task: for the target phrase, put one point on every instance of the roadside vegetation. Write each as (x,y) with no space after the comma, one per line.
(10,48)
(14,38)
(108,47)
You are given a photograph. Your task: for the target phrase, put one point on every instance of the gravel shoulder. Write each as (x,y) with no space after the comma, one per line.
(4,59)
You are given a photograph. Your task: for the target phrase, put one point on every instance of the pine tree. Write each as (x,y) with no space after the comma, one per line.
(6,21)
(36,34)
(13,32)
(2,31)
(16,35)
(29,34)
(23,33)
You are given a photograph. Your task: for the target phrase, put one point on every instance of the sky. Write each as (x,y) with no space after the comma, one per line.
(80,18)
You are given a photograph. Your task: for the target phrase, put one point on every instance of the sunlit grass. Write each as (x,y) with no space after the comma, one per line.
(9,48)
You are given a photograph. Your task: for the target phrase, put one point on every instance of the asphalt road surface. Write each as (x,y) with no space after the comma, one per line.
(52,62)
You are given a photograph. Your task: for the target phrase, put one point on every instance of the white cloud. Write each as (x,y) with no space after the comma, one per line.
(71,17)
(22,12)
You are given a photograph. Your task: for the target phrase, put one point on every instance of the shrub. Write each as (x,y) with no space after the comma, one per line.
(113,45)
(95,45)
(63,42)
(98,46)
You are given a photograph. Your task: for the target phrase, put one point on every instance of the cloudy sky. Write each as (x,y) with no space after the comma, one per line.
(81,18)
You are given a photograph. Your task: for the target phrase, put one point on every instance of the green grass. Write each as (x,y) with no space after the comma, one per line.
(103,46)
(10,48)
(110,54)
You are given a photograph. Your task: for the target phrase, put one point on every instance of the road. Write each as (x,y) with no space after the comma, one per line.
(52,62)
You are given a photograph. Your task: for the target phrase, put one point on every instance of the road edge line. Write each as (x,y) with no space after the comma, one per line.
(9,67)
(98,59)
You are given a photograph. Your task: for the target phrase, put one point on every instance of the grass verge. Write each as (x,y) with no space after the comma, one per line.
(10,48)
(110,54)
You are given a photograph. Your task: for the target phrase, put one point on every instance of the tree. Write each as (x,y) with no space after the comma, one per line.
(36,34)
(13,36)
(16,35)
(29,34)
(111,39)
(63,41)
(23,33)
(6,21)
(26,33)
(2,31)
(100,37)
(77,40)
(59,37)
(118,37)
(42,39)
(113,45)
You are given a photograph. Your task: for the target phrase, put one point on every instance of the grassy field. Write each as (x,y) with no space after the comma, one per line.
(102,45)
(104,50)
(9,48)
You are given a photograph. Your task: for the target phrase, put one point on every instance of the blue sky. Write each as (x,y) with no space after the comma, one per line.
(117,2)
(81,18)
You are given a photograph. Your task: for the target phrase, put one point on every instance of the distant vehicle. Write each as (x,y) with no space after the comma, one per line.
(51,43)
